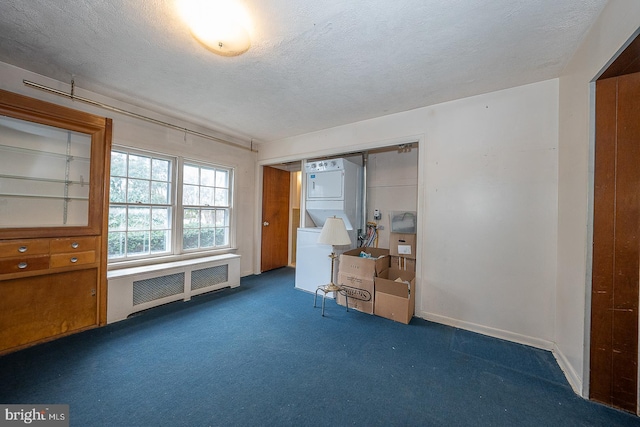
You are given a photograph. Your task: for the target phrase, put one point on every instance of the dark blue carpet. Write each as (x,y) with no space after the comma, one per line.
(261,355)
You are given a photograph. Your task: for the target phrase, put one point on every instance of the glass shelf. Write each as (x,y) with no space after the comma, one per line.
(44,169)
(81,183)
(42,196)
(42,153)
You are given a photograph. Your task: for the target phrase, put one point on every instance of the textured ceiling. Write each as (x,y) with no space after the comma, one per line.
(312,64)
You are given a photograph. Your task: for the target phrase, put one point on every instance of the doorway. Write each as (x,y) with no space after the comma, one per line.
(392,185)
(275,218)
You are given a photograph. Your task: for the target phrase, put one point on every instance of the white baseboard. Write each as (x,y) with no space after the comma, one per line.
(492,332)
(575,381)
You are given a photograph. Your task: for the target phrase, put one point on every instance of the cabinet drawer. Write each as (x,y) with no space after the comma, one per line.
(73,244)
(71,259)
(17,248)
(22,264)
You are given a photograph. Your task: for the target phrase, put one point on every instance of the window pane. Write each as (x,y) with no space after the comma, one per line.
(222,236)
(139,167)
(191,175)
(207,177)
(160,170)
(138,243)
(160,193)
(222,197)
(138,191)
(206,196)
(116,245)
(160,241)
(191,218)
(139,218)
(222,178)
(117,218)
(117,190)
(222,219)
(136,229)
(190,195)
(118,164)
(190,238)
(208,218)
(160,219)
(207,238)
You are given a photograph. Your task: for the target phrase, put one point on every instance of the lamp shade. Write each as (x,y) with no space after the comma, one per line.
(334,233)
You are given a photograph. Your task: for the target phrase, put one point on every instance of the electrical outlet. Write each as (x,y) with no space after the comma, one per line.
(377,215)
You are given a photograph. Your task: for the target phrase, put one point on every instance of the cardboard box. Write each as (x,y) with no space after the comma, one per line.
(403,245)
(359,292)
(395,300)
(352,264)
(402,263)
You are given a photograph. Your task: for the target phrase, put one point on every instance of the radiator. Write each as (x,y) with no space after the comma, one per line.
(139,288)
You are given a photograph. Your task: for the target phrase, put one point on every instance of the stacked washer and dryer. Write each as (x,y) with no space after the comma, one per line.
(331,188)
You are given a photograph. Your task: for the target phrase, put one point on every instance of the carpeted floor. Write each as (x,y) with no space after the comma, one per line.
(261,355)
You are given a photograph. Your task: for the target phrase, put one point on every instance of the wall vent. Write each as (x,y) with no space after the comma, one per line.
(157,287)
(209,276)
(139,288)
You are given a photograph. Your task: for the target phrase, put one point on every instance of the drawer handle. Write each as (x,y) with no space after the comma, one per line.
(22,265)
(74,259)
(75,245)
(22,249)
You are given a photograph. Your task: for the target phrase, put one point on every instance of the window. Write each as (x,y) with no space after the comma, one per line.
(146,218)
(206,197)
(140,205)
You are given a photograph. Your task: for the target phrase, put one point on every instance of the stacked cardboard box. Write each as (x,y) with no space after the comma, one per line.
(356,274)
(395,296)
(395,288)
(402,248)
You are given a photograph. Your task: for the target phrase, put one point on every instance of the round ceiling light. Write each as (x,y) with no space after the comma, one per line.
(222,26)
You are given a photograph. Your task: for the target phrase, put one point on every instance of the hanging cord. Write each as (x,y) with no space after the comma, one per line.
(372,235)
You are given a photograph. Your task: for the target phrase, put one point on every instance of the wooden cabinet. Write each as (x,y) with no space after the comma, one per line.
(53,195)
(47,306)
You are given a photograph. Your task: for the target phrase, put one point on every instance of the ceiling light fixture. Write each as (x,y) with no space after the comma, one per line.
(222,26)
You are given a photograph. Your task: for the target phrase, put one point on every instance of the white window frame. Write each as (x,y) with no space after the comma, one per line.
(231,218)
(171,202)
(176,250)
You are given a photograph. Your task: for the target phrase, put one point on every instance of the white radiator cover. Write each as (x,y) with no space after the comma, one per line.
(139,288)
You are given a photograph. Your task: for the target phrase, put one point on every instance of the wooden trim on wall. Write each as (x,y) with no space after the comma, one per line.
(36,111)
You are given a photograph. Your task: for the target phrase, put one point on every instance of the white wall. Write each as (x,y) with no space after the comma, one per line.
(491,207)
(392,185)
(615,26)
(487,205)
(141,134)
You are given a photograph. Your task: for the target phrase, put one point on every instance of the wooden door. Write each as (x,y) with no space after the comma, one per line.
(616,244)
(275,218)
